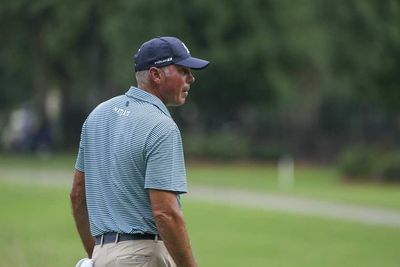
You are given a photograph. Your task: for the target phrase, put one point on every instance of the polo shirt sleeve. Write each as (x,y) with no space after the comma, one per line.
(79,165)
(165,166)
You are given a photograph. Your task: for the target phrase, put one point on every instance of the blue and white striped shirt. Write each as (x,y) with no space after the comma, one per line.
(129,144)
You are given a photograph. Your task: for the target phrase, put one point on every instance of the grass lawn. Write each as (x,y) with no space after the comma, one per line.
(316,182)
(228,236)
(310,181)
(38,230)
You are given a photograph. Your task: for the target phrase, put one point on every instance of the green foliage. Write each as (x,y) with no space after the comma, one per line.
(268,152)
(285,59)
(371,164)
(224,145)
(389,167)
(358,163)
(364,42)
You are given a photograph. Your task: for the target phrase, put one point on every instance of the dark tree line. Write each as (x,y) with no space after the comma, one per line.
(305,77)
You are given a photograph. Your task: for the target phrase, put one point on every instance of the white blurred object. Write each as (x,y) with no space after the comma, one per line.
(286,173)
(22,125)
(53,104)
(85,263)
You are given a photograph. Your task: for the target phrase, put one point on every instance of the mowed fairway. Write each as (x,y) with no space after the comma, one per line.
(324,183)
(37,230)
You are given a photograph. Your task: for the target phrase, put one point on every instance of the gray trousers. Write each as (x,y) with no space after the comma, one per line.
(132,253)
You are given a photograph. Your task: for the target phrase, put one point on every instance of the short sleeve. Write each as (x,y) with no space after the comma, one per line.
(80,163)
(165,166)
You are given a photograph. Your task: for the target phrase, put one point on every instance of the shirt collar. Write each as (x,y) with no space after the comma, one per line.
(140,94)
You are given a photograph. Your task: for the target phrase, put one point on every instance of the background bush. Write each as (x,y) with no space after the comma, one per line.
(311,76)
(370,164)
(221,145)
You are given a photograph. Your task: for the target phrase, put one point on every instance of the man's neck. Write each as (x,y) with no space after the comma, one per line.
(151,90)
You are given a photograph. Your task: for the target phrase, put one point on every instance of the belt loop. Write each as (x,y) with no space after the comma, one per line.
(102,240)
(116,238)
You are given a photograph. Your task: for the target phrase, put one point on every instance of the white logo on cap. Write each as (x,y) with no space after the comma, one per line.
(163,61)
(186,48)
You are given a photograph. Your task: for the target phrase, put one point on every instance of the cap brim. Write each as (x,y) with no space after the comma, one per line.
(193,63)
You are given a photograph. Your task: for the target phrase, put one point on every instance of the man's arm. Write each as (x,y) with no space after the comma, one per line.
(171,226)
(79,210)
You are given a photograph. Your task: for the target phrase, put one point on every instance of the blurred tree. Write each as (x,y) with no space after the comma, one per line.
(365,48)
(282,73)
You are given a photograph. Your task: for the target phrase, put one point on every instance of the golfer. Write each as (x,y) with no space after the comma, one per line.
(130,168)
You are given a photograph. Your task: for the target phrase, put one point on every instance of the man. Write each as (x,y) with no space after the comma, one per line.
(130,168)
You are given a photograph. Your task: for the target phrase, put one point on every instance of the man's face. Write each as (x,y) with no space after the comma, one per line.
(175,85)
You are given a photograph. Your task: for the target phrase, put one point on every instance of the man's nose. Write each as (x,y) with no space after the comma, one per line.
(191,78)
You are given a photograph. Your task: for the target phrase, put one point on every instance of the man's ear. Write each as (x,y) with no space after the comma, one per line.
(155,75)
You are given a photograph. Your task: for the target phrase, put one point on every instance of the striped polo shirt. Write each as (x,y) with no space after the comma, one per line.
(129,144)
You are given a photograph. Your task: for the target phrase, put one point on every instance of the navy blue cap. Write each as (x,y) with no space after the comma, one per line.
(164,51)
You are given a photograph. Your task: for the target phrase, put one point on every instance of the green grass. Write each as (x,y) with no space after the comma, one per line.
(36,226)
(323,183)
(37,230)
(34,161)
(228,236)
(310,181)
